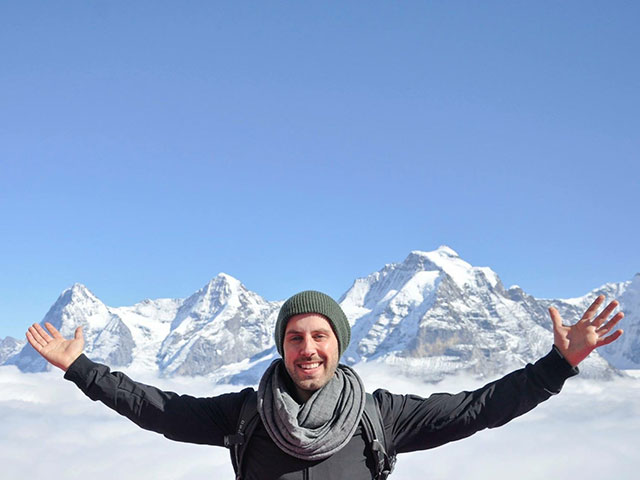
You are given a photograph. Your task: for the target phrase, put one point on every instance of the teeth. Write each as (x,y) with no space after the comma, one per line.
(309,366)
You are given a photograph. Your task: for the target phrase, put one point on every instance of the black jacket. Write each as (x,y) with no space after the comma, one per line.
(413,423)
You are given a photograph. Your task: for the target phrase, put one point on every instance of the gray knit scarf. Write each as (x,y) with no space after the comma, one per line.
(321,426)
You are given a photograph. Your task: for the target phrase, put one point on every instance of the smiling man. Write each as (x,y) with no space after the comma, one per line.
(311,334)
(310,353)
(313,411)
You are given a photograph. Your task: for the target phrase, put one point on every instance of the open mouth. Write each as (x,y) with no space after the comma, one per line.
(309,367)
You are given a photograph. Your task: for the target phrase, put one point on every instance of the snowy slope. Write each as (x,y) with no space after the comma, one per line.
(149,323)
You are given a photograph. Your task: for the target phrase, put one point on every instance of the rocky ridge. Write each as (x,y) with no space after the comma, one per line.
(431,315)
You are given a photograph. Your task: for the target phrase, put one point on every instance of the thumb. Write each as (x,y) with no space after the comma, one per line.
(78,335)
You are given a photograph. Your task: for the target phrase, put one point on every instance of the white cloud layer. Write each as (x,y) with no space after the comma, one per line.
(50,429)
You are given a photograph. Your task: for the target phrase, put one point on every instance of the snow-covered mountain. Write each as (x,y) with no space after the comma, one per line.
(9,347)
(435,314)
(221,323)
(431,315)
(106,336)
(149,323)
(116,336)
(625,352)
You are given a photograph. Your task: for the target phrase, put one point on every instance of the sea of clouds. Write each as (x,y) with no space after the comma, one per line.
(49,429)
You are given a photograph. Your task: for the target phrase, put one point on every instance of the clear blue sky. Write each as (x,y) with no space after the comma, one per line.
(147,146)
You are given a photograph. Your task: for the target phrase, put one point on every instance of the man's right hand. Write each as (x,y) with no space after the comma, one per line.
(54,347)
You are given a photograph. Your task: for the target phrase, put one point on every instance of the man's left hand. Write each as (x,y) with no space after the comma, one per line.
(577,341)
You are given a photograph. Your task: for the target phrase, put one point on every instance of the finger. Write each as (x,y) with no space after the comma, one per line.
(43,333)
(36,335)
(604,315)
(78,334)
(606,328)
(591,311)
(607,340)
(555,318)
(54,331)
(33,342)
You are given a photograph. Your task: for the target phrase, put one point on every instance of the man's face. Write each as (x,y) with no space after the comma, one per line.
(310,352)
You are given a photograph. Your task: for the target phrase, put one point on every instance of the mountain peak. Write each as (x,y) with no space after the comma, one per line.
(447,260)
(80,289)
(75,293)
(436,259)
(446,250)
(443,251)
(223,283)
(219,291)
(225,277)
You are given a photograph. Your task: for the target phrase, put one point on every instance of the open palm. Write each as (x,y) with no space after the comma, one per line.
(577,341)
(57,350)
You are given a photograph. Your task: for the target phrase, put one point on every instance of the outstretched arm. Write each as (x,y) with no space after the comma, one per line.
(577,341)
(177,417)
(55,349)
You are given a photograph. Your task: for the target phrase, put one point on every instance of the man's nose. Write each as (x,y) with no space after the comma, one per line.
(307,347)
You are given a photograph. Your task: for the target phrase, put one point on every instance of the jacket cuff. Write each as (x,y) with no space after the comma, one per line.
(78,371)
(555,369)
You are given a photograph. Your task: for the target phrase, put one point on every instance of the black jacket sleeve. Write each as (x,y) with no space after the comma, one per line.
(416,423)
(177,417)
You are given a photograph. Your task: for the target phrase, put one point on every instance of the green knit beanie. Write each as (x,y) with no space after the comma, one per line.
(311,301)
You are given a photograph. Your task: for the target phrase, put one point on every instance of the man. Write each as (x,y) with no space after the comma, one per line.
(311,406)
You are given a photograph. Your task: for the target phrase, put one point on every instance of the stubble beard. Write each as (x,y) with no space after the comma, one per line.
(311,385)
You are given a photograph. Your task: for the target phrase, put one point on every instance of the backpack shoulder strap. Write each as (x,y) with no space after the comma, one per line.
(247,421)
(383,453)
